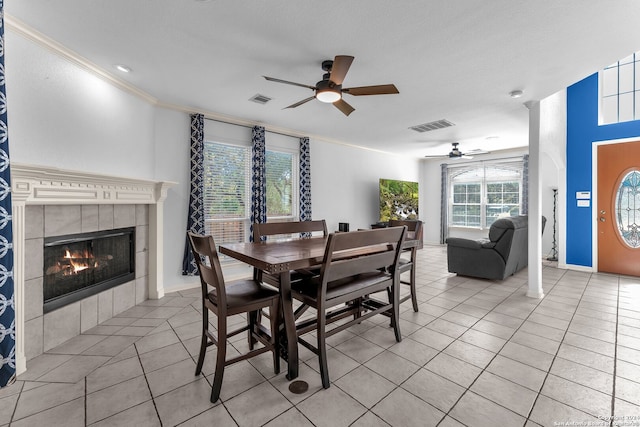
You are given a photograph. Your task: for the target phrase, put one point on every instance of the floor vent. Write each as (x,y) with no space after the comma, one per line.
(260,99)
(427,127)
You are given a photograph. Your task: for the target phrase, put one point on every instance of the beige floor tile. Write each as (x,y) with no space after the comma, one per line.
(111,346)
(482,340)
(184,403)
(42,364)
(431,338)
(578,396)
(117,398)
(46,397)
(360,349)
(77,344)
(476,411)
(75,369)
(434,389)
(470,353)
(519,373)
(112,374)
(588,358)
(402,408)
(628,390)
(216,416)
(365,386)
(391,366)
(7,406)
(155,341)
(257,405)
(68,414)
(527,355)
(461,373)
(171,377)
(143,415)
(414,351)
(369,420)
(549,412)
(505,393)
(537,342)
(447,328)
(583,375)
(494,329)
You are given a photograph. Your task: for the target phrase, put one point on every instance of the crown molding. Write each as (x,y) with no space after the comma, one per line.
(22,29)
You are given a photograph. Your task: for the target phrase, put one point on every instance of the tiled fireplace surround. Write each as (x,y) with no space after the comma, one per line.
(50,202)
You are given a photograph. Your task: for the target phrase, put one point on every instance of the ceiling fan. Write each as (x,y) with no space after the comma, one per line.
(455,153)
(330,89)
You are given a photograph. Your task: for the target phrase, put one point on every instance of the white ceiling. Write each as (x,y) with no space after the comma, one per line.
(454,60)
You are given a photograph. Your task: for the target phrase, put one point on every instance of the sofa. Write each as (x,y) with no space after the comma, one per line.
(503,254)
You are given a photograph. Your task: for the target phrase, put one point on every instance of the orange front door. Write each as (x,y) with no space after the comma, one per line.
(618,208)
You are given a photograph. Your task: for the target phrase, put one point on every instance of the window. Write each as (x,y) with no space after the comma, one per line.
(482,193)
(620,91)
(227,189)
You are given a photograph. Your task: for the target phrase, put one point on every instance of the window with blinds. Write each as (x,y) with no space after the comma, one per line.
(482,193)
(227,189)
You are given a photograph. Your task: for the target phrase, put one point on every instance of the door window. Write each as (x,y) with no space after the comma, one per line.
(628,209)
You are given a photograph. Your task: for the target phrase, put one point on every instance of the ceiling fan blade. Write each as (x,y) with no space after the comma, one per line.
(273,79)
(343,106)
(299,103)
(372,90)
(339,69)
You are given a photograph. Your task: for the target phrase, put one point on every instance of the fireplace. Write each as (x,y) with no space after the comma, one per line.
(77,266)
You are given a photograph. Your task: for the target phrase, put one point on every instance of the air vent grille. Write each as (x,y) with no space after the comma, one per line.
(260,99)
(427,127)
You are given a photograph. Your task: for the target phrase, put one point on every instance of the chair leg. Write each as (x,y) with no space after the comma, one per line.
(274,314)
(322,347)
(395,311)
(220,359)
(204,340)
(253,318)
(414,299)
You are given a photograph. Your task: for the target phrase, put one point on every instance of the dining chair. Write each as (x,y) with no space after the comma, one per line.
(287,230)
(408,264)
(355,266)
(227,299)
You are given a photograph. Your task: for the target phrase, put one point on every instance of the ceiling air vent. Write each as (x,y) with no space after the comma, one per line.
(260,99)
(427,127)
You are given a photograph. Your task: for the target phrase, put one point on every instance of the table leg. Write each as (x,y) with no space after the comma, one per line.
(289,324)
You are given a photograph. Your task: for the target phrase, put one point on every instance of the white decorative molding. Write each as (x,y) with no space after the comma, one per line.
(42,185)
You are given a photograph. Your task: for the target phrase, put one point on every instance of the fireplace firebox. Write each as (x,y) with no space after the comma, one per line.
(80,265)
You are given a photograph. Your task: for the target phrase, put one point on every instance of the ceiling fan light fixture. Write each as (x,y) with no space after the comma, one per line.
(328,92)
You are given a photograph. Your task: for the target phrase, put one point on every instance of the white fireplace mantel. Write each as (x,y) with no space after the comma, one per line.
(42,185)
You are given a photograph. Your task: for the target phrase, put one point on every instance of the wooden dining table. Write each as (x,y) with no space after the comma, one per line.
(279,258)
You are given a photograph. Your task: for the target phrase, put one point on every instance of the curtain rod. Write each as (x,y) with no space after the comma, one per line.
(251,127)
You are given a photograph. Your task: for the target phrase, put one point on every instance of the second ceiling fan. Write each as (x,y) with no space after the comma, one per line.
(330,89)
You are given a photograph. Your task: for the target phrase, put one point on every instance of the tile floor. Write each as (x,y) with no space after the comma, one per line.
(479,353)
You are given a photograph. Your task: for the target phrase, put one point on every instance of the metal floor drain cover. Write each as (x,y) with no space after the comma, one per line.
(298,387)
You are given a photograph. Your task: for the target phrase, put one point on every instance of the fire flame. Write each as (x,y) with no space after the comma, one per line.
(79,260)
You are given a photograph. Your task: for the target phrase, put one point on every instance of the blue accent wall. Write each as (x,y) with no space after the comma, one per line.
(582,131)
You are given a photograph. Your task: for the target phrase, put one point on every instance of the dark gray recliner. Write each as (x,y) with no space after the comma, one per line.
(503,254)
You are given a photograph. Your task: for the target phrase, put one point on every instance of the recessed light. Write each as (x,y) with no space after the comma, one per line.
(516,93)
(123,68)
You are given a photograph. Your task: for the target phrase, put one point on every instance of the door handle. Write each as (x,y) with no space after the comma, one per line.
(602,212)
(602,219)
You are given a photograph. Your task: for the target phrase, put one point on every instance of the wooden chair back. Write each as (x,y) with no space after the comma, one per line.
(265,229)
(206,256)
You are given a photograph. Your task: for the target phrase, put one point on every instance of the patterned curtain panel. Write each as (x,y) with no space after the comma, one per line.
(7,306)
(444,203)
(525,185)
(195,221)
(258,179)
(305,180)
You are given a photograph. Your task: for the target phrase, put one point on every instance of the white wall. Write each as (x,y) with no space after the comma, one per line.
(64,116)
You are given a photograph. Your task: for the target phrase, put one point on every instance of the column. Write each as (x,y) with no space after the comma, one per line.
(535,203)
